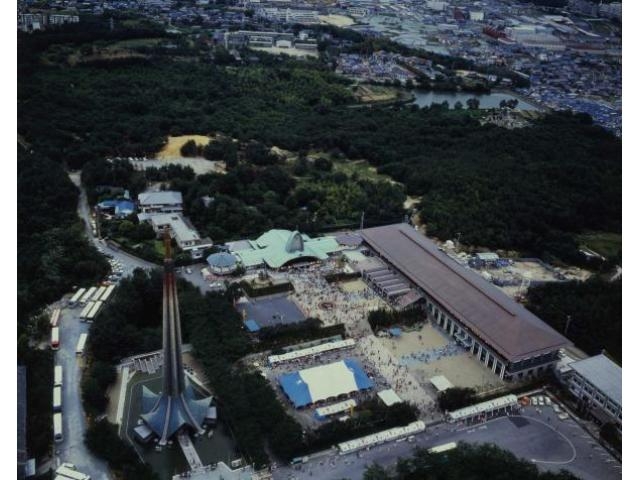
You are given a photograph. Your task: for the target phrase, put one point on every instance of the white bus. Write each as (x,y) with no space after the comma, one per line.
(94,311)
(57,427)
(87,296)
(81,344)
(55,317)
(445,447)
(107,293)
(57,376)
(76,297)
(98,294)
(68,471)
(86,310)
(57,399)
(55,338)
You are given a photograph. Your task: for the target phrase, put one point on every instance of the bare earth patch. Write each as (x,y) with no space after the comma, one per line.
(172,149)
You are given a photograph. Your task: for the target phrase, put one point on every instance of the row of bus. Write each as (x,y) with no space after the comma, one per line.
(68,471)
(92,294)
(90,311)
(57,403)
(55,341)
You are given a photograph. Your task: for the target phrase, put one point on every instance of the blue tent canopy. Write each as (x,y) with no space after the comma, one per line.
(396,332)
(362,380)
(296,389)
(122,208)
(252,326)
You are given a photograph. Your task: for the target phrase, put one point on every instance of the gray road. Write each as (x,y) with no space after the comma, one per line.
(550,443)
(73,449)
(128,262)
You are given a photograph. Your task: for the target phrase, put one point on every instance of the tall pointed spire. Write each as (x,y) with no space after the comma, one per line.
(176,407)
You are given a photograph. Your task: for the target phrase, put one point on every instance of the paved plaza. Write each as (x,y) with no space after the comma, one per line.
(271,311)
(429,352)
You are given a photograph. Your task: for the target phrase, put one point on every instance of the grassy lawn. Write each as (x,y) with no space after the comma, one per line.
(362,168)
(136,42)
(604,243)
(159,246)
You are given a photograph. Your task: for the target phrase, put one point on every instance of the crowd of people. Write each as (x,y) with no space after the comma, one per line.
(333,304)
(425,356)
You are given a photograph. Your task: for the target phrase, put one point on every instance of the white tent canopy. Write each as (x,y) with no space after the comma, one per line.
(441,383)
(389,397)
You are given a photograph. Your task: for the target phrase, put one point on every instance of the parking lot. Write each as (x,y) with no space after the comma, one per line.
(73,449)
(538,437)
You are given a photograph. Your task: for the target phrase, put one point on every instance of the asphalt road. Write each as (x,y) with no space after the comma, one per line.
(550,443)
(72,449)
(128,262)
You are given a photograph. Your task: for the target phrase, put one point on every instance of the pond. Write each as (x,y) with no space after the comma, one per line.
(487,100)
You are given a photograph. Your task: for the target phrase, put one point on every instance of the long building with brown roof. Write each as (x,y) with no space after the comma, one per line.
(505,336)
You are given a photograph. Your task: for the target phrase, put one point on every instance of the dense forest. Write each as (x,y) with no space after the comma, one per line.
(595,308)
(53,256)
(531,189)
(259,192)
(468,462)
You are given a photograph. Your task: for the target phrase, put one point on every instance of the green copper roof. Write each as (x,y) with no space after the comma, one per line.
(279,247)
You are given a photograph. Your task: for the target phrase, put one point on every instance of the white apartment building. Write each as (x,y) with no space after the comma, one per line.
(185,235)
(596,383)
(160,202)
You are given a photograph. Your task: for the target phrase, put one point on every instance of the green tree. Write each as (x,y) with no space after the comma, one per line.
(455,398)
(323,164)
(473,103)
(189,149)
(126,229)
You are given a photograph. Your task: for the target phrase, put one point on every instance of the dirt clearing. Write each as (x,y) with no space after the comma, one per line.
(171,150)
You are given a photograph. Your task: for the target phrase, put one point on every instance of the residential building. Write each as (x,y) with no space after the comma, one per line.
(289,15)
(185,235)
(160,202)
(29,22)
(596,383)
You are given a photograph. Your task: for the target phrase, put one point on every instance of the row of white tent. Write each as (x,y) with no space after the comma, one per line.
(381,437)
(336,408)
(306,352)
(490,406)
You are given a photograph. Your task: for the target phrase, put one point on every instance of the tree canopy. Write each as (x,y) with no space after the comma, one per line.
(466,462)
(532,189)
(595,308)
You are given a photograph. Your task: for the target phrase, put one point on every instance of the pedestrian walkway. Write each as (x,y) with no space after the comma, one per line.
(189,451)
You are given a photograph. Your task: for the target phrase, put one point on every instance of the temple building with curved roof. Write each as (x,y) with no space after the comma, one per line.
(277,248)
